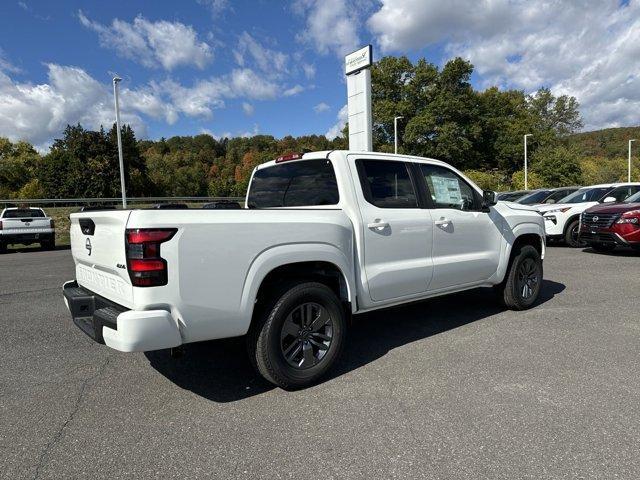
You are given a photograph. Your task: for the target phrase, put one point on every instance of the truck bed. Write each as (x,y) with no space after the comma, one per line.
(211,259)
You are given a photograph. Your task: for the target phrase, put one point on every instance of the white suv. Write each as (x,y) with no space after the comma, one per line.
(562,220)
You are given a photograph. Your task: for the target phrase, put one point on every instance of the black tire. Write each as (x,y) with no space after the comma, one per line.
(3,247)
(48,244)
(603,247)
(276,335)
(523,280)
(571,235)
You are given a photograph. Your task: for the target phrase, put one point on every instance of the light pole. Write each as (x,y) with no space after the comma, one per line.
(395,134)
(117,80)
(629,171)
(526,172)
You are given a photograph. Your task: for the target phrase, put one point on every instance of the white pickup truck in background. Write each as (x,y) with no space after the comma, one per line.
(324,236)
(26,226)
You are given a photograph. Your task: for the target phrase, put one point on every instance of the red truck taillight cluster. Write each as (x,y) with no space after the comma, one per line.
(145,265)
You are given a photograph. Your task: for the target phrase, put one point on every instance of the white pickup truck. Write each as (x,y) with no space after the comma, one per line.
(26,226)
(323,236)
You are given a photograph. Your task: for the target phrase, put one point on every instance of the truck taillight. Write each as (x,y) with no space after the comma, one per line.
(0,224)
(145,265)
(52,224)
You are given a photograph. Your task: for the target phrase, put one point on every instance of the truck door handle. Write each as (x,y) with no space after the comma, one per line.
(443,222)
(378,225)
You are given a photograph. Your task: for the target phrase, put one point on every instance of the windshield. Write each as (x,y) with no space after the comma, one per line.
(24,213)
(586,195)
(535,197)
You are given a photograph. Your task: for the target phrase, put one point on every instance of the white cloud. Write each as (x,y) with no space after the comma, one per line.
(331,25)
(161,43)
(321,107)
(206,95)
(267,60)
(295,90)
(309,70)
(37,113)
(336,129)
(248,109)
(250,133)
(587,49)
(215,6)
(6,65)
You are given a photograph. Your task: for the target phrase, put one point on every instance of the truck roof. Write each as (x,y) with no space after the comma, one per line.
(326,153)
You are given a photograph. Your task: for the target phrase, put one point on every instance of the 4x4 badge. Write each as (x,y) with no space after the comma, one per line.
(88,246)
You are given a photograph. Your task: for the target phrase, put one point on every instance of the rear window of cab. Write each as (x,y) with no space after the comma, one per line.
(303,183)
(24,213)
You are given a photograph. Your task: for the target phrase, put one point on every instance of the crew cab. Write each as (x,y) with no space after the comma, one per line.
(606,226)
(26,226)
(562,219)
(322,236)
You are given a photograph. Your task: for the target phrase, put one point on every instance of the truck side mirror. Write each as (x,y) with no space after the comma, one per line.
(488,199)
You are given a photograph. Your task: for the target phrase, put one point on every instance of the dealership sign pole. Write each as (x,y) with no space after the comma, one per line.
(117,80)
(360,116)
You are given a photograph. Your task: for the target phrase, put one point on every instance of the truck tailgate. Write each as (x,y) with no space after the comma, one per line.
(98,248)
(26,225)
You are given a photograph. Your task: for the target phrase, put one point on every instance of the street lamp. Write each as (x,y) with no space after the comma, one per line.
(629,171)
(395,134)
(117,80)
(526,184)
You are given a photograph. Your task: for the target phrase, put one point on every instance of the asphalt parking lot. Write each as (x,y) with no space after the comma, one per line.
(450,388)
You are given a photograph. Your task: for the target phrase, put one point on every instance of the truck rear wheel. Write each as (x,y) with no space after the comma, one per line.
(522,284)
(300,337)
(3,247)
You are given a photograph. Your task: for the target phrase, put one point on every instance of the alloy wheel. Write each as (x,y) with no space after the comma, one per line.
(528,278)
(306,335)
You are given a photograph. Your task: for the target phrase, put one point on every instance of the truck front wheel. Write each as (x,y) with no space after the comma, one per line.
(522,284)
(296,340)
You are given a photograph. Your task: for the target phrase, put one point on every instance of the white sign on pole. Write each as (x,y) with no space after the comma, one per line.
(360,115)
(358,60)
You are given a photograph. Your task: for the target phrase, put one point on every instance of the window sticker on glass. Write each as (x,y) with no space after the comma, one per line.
(446,190)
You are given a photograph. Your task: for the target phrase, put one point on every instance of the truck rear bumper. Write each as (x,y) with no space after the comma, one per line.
(26,237)
(118,327)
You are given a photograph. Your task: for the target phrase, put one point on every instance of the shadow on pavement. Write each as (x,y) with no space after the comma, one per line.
(220,370)
(618,252)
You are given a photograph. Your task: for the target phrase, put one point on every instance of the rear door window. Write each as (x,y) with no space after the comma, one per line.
(297,184)
(387,184)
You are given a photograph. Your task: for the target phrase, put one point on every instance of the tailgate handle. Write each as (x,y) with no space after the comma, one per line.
(87,226)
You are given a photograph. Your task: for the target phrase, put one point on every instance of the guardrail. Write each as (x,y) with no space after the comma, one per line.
(115,201)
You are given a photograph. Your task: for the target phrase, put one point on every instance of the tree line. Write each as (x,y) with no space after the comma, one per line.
(478,131)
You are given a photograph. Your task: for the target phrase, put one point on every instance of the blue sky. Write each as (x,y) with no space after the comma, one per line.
(238,68)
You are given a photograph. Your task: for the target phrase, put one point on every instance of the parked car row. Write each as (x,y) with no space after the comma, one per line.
(601,216)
